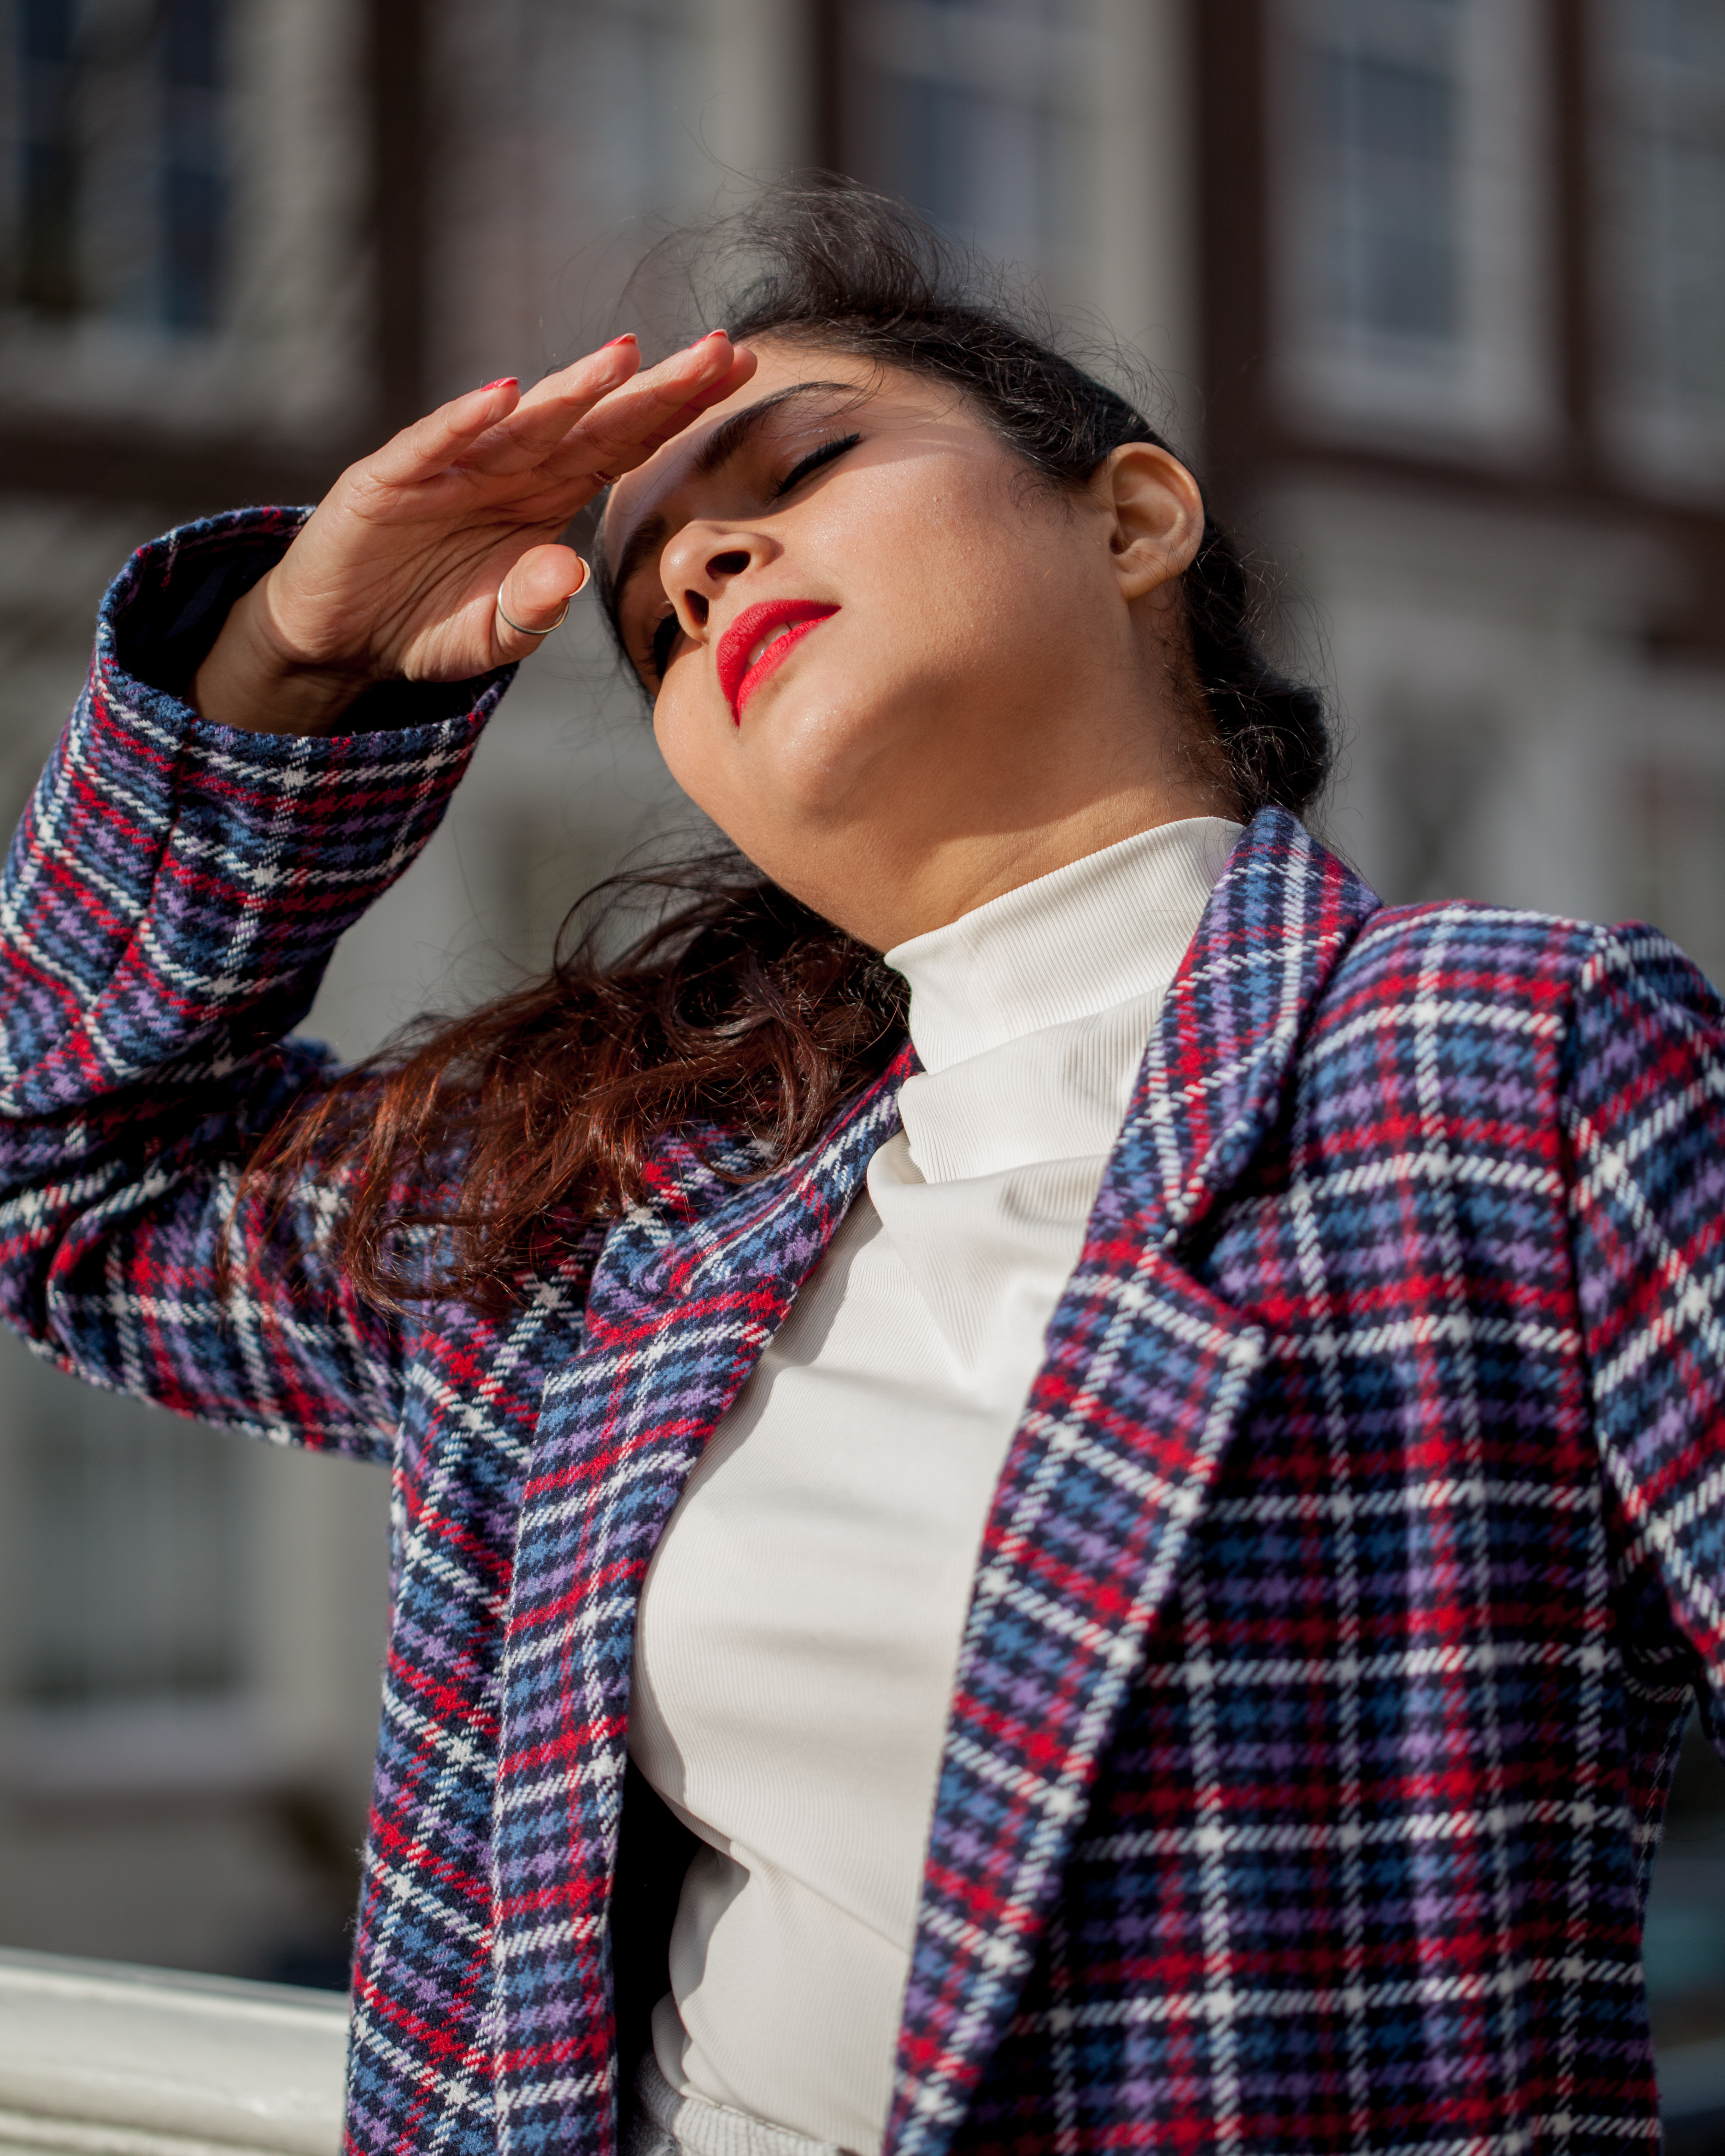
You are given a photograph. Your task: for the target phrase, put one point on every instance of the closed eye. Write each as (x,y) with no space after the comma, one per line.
(813,462)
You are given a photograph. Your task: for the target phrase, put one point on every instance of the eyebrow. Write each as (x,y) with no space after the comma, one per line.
(728,439)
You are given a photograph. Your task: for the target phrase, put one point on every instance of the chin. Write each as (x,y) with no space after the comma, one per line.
(816,753)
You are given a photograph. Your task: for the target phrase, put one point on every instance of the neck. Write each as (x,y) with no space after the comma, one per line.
(906,886)
(1098,932)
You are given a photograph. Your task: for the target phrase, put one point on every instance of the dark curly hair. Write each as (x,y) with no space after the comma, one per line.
(492,1136)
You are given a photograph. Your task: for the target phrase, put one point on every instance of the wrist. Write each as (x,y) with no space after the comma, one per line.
(252,682)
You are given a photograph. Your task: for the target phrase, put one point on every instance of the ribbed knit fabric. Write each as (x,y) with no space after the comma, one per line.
(660,2123)
(800,1624)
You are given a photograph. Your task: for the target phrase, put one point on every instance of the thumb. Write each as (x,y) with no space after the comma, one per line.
(533,598)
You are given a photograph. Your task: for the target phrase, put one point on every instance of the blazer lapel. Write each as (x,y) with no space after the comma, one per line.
(687,1291)
(1145,1376)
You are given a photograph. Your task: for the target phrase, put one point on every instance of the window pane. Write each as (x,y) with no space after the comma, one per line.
(1387,132)
(48,158)
(617,79)
(194,190)
(1671,89)
(120,160)
(1410,213)
(982,166)
(1689,33)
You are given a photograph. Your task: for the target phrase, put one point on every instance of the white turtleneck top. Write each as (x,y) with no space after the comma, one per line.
(800,1622)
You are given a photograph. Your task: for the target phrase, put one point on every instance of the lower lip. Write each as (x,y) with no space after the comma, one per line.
(771,659)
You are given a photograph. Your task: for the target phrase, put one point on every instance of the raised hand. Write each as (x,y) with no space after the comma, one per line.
(399,570)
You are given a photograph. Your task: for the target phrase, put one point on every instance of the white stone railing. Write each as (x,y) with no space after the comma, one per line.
(99,2060)
(107,2061)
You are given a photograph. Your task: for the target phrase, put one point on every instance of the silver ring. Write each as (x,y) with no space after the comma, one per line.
(521,628)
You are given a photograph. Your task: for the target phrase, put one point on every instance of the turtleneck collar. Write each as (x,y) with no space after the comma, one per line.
(1081,940)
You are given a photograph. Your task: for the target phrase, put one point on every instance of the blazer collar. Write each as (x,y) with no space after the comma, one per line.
(1126,1428)
(1283,912)
(1278,921)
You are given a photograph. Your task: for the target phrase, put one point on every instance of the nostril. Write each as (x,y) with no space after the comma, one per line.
(697,606)
(728,565)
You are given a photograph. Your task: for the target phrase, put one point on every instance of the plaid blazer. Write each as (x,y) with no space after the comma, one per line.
(1357,1558)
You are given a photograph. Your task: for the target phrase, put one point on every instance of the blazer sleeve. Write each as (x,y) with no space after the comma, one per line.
(168,906)
(1646,1116)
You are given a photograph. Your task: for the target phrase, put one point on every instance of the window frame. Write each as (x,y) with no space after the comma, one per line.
(280,360)
(1494,389)
(1655,443)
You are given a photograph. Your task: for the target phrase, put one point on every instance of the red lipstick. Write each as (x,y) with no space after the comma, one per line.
(795,617)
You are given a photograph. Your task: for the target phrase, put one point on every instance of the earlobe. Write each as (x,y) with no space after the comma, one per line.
(1158,517)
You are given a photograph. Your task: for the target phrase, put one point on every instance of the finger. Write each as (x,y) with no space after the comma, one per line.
(625,430)
(742,365)
(432,444)
(640,405)
(531,600)
(552,407)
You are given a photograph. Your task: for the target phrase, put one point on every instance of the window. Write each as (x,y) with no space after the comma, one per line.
(170,250)
(981,112)
(120,185)
(1662,77)
(1408,219)
(1384,141)
(189,1629)
(193,210)
(1437,759)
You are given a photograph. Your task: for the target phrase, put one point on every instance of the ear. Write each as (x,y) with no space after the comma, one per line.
(1155,515)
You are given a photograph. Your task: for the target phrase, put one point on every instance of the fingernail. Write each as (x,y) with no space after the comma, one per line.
(711,334)
(627,337)
(503,381)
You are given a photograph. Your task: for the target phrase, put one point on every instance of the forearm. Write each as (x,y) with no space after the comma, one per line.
(127,1256)
(168,906)
(250,684)
(176,887)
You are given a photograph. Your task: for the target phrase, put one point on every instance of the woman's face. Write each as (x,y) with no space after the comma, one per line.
(899,674)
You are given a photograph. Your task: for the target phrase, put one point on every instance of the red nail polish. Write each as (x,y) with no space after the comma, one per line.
(502,380)
(627,337)
(711,334)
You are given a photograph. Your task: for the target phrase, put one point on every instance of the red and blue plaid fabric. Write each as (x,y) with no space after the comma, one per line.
(1357,1556)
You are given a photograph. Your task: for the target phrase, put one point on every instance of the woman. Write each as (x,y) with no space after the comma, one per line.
(1148,1543)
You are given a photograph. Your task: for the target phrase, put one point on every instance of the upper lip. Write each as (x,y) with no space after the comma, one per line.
(737,654)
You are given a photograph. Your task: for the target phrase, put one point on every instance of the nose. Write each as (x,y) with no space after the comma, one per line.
(699,564)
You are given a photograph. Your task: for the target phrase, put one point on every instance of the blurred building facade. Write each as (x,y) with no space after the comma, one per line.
(1466,373)
(1434,292)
